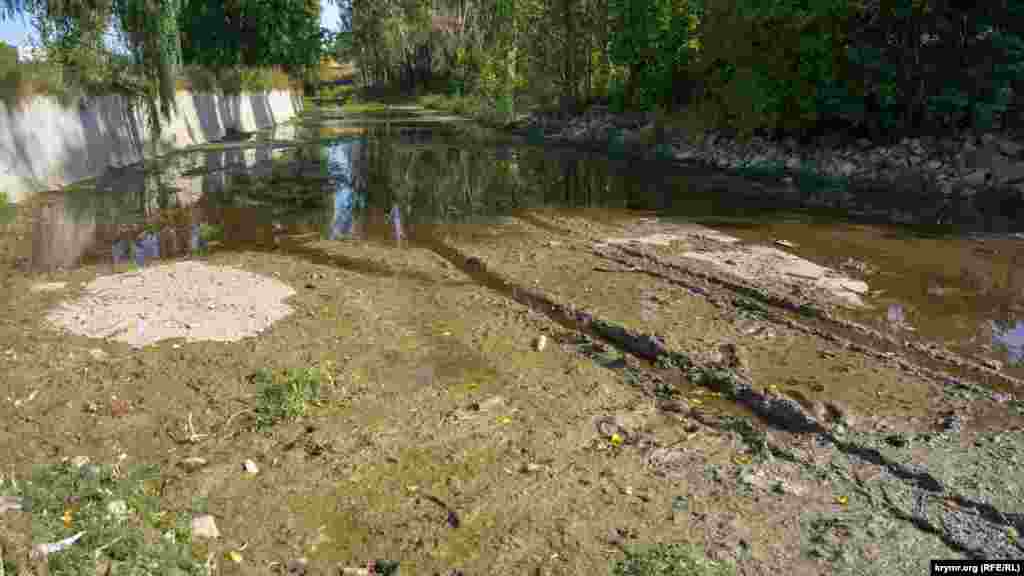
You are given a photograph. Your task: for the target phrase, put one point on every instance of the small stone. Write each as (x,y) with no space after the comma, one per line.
(98,354)
(540,343)
(250,467)
(297,567)
(79,461)
(838,413)
(952,423)
(993,364)
(786,243)
(675,406)
(193,463)
(205,527)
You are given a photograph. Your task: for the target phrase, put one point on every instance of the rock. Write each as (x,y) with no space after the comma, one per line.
(952,423)
(193,463)
(675,406)
(977,178)
(1009,147)
(250,467)
(79,461)
(492,403)
(837,412)
(98,354)
(729,355)
(540,343)
(205,527)
(993,364)
(297,567)
(786,243)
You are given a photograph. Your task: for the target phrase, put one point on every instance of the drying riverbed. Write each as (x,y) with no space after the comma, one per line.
(531,392)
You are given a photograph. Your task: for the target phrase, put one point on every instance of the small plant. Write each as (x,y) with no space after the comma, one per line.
(286,397)
(7,209)
(100,514)
(210,232)
(670,560)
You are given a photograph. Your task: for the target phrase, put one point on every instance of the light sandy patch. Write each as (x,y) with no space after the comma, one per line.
(764,263)
(188,300)
(654,232)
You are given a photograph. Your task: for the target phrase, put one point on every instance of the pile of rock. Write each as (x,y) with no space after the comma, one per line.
(965,165)
(968,164)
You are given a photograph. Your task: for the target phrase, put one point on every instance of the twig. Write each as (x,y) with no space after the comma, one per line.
(232,417)
(192,436)
(96,552)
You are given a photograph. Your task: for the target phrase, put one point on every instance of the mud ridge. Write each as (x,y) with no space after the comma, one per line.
(929,352)
(776,409)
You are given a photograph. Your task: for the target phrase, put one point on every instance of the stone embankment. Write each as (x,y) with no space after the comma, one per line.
(964,165)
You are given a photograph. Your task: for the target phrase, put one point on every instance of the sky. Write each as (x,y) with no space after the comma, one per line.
(16,30)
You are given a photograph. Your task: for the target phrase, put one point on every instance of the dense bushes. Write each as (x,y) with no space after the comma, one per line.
(884,70)
(877,68)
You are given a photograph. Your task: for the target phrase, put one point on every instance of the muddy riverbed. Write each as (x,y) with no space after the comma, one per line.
(528,361)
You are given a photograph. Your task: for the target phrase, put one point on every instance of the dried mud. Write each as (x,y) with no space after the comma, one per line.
(447,440)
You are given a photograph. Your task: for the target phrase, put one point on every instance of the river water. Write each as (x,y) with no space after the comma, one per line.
(949,272)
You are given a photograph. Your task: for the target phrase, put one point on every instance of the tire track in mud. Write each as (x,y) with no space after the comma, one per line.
(831,327)
(853,342)
(852,335)
(958,528)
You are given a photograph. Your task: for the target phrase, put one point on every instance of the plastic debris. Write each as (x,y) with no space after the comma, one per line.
(52,548)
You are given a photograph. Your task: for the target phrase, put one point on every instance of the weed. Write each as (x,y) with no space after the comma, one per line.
(670,560)
(7,209)
(210,232)
(286,397)
(117,514)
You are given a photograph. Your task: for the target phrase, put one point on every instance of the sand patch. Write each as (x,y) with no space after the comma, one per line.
(188,300)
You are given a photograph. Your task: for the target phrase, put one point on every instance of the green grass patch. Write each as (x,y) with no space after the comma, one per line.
(362,107)
(670,560)
(117,514)
(342,93)
(7,208)
(286,396)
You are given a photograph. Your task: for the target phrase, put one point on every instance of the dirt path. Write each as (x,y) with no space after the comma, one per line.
(449,437)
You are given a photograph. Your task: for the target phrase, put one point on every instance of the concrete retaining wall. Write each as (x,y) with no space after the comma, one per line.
(44,145)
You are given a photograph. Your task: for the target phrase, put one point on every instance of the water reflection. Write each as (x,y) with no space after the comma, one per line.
(383,181)
(1012,338)
(396,222)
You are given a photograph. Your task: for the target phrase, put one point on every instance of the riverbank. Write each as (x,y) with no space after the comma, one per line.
(524,423)
(969,182)
(458,383)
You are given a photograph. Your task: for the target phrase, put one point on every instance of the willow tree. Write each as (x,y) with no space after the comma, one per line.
(150,28)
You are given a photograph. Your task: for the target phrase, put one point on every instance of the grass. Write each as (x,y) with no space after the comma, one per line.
(342,93)
(669,560)
(286,396)
(117,513)
(7,208)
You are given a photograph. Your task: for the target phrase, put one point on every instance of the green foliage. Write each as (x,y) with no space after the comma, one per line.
(8,57)
(652,38)
(252,33)
(117,513)
(669,560)
(286,396)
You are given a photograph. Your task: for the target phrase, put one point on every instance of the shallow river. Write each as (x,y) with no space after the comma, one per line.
(949,274)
